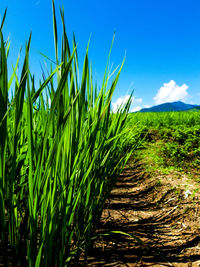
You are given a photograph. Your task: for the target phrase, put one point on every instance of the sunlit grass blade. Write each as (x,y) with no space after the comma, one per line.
(3,137)
(3,20)
(55,31)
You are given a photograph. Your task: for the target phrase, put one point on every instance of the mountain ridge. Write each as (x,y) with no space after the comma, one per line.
(170,106)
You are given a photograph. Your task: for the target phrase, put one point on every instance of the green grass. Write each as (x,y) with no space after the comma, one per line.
(172,140)
(58,161)
(62,149)
(164,119)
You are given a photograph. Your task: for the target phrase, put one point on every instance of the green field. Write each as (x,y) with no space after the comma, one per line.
(177,135)
(62,149)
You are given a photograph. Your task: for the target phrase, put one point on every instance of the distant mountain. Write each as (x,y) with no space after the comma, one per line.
(174,106)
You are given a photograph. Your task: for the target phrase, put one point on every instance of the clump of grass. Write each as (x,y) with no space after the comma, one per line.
(58,162)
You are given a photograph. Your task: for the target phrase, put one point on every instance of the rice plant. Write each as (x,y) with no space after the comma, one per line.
(58,161)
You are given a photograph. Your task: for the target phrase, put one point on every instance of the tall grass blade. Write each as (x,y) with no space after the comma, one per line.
(3,20)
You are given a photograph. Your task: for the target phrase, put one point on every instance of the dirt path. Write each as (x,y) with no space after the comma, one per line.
(161,210)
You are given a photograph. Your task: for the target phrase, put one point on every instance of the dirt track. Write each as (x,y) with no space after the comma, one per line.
(157,209)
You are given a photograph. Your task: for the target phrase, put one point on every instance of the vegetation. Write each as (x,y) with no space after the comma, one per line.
(60,153)
(160,120)
(62,149)
(174,138)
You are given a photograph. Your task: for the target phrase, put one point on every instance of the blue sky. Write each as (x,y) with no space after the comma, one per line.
(161,39)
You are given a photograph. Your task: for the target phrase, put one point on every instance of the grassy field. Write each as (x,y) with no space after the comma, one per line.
(62,149)
(176,135)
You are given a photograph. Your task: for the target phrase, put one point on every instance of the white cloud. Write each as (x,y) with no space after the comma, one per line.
(120,101)
(136,109)
(123,100)
(147,106)
(170,92)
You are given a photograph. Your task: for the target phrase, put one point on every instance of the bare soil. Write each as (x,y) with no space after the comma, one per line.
(160,211)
